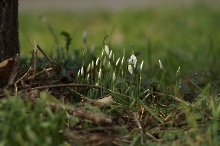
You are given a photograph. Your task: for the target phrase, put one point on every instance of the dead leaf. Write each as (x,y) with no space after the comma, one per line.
(97,118)
(107,99)
(15,69)
(6,67)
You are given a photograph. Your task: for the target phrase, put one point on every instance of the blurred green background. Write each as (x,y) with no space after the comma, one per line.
(179,34)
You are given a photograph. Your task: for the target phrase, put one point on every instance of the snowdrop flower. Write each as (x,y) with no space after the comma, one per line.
(92,49)
(133,59)
(104,60)
(84,36)
(113,77)
(160,65)
(102,53)
(107,49)
(141,66)
(88,76)
(97,62)
(79,72)
(117,62)
(92,65)
(113,57)
(130,69)
(122,61)
(110,55)
(82,71)
(178,71)
(100,74)
(109,65)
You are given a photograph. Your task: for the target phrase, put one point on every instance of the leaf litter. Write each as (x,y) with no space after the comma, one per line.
(102,120)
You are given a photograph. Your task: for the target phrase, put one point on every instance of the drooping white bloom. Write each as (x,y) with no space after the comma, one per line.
(97,62)
(79,73)
(102,53)
(178,71)
(88,68)
(160,65)
(113,77)
(92,49)
(130,69)
(141,66)
(100,74)
(110,55)
(104,60)
(82,71)
(132,59)
(122,61)
(113,57)
(109,64)
(117,62)
(107,49)
(88,76)
(84,34)
(92,65)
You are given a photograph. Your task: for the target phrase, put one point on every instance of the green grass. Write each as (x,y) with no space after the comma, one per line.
(190,32)
(185,109)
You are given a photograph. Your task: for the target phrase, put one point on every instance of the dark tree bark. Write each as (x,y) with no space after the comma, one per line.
(9,43)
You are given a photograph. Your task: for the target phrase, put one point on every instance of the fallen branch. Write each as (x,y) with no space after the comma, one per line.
(82,112)
(68,85)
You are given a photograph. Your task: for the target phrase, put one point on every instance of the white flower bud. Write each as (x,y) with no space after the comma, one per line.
(113,57)
(141,66)
(107,49)
(109,65)
(113,77)
(88,68)
(178,71)
(122,61)
(88,76)
(79,72)
(100,74)
(102,55)
(92,65)
(117,62)
(130,69)
(92,49)
(110,55)
(160,65)
(104,60)
(97,62)
(84,36)
(82,71)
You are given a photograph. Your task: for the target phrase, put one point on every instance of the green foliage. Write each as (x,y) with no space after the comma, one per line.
(20,125)
(67,39)
(178,97)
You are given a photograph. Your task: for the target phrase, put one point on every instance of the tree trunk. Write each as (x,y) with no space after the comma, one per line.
(9,43)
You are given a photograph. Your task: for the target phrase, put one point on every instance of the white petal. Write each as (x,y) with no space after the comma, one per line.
(82,71)
(106,49)
(141,66)
(100,74)
(113,77)
(130,69)
(117,62)
(97,62)
(133,59)
(110,55)
(160,65)
(88,68)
